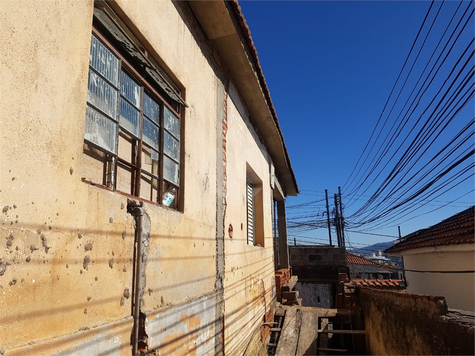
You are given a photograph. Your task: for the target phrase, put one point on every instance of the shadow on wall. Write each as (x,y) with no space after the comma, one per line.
(188,326)
(413,324)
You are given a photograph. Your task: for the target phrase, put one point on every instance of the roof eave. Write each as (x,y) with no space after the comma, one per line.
(224,25)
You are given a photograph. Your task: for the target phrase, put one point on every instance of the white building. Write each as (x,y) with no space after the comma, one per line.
(439,260)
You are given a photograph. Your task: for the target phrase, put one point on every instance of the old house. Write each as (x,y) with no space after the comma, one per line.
(361,267)
(141,161)
(439,260)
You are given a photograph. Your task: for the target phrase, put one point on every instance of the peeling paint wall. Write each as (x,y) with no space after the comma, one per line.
(67,256)
(249,277)
(184,329)
(58,236)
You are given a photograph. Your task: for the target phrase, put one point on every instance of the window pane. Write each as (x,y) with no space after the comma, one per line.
(102,95)
(129,117)
(150,133)
(100,130)
(124,176)
(171,146)
(172,123)
(151,109)
(104,61)
(170,170)
(150,160)
(130,89)
(148,188)
(125,147)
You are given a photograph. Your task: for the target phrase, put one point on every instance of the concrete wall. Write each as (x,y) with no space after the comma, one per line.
(412,324)
(315,295)
(317,263)
(457,288)
(67,258)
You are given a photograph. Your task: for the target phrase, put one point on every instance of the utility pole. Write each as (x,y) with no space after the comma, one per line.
(328,218)
(337,221)
(342,222)
(399,230)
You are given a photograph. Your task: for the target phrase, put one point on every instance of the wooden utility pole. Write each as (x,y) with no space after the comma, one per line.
(328,218)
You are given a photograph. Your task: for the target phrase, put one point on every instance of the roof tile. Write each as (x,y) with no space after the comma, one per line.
(456,230)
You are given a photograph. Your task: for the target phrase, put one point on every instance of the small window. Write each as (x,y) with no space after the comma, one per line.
(250,203)
(254,209)
(133,127)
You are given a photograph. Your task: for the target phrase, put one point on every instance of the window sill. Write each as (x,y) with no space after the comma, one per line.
(103,187)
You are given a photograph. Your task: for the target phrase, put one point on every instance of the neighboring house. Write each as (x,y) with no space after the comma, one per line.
(141,158)
(439,260)
(362,268)
(378,257)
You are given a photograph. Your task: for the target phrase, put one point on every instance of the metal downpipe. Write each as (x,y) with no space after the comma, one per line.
(138,213)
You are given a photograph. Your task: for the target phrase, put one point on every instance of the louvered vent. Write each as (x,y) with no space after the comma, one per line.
(250,213)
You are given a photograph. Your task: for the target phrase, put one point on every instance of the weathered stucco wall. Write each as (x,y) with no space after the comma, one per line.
(315,294)
(411,324)
(457,288)
(249,277)
(67,256)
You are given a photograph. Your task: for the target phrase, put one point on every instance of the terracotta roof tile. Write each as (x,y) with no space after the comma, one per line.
(456,230)
(359,260)
(379,283)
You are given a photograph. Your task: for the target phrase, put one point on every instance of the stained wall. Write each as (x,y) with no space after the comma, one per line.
(66,266)
(399,323)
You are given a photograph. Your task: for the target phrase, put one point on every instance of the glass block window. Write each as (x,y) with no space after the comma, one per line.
(129,127)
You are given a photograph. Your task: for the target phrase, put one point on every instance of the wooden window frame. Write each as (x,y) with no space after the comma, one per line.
(112,161)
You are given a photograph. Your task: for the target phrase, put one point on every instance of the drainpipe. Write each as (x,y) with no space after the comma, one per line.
(135,208)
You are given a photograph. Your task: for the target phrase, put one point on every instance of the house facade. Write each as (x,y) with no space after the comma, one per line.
(439,260)
(142,164)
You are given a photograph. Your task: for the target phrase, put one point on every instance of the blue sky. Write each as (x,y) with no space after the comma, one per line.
(330,67)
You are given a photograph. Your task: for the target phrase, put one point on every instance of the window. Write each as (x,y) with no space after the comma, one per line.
(250,203)
(254,209)
(133,121)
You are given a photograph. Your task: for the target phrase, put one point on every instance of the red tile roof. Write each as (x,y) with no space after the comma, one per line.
(456,230)
(380,283)
(358,260)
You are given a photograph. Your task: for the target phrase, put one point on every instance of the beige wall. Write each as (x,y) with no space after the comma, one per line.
(457,288)
(249,278)
(67,256)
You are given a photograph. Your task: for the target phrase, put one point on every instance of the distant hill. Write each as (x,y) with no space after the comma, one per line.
(373,248)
